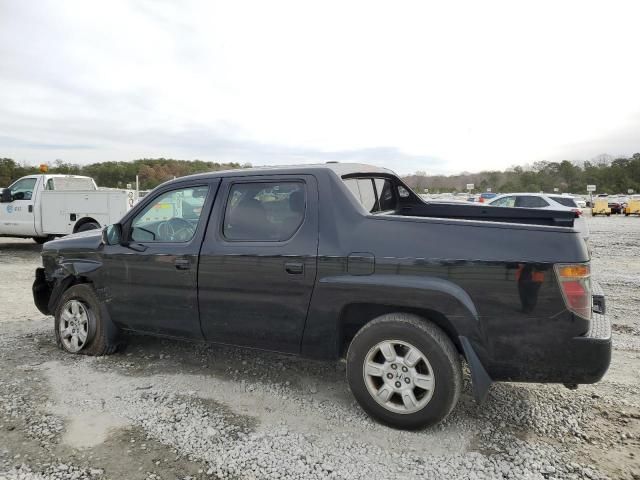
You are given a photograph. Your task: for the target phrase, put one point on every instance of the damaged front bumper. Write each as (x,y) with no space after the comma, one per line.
(41,291)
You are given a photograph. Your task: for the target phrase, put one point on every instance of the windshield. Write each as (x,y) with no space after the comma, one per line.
(23,188)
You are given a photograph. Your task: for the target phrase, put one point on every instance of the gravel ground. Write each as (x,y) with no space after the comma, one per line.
(164,409)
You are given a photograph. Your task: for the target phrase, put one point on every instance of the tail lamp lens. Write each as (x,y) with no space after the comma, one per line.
(575,284)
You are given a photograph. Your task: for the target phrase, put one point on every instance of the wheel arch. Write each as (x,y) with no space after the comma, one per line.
(354,316)
(341,305)
(84,221)
(68,274)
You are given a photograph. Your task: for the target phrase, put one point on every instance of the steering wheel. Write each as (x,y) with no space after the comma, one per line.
(176,230)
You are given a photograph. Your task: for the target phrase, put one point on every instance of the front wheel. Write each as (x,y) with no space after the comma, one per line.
(82,324)
(404,371)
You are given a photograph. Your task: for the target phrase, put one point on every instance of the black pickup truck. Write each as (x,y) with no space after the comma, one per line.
(340,261)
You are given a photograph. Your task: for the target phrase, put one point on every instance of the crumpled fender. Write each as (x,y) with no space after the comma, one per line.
(68,272)
(75,267)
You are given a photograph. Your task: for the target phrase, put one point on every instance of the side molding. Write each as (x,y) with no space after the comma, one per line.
(480,379)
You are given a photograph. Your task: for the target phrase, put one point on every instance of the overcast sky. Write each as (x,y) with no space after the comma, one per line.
(436,86)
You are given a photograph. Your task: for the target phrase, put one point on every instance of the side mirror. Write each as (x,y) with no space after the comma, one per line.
(6,196)
(112,234)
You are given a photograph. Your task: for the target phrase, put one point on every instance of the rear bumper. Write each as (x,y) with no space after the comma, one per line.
(590,353)
(580,359)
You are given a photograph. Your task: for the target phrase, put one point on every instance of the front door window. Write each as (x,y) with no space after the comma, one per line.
(172,217)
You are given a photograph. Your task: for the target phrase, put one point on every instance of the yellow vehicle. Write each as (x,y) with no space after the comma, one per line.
(633,206)
(600,207)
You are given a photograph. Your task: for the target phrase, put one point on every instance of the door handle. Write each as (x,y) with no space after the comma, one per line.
(182,264)
(294,268)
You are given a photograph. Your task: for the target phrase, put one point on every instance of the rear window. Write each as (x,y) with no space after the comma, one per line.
(566,201)
(375,194)
(71,184)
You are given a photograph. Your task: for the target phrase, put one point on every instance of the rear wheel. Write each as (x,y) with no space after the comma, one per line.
(404,371)
(88,226)
(82,324)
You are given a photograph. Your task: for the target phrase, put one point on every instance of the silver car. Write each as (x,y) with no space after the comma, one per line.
(546,202)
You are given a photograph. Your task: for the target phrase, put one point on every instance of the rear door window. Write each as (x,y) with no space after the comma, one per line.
(264,211)
(504,202)
(529,201)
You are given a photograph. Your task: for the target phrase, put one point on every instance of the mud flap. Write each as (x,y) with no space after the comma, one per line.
(480,379)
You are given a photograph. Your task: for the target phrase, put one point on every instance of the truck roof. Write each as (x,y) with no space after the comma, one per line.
(340,169)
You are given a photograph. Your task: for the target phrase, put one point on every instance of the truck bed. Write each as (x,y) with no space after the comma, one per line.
(494,214)
(61,209)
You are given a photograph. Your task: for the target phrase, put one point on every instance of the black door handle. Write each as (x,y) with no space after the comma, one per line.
(294,268)
(182,264)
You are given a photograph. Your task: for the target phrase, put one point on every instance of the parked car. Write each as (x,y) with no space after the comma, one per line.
(544,202)
(486,196)
(340,261)
(616,205)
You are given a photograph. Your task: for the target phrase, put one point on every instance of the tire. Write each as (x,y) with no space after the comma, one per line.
(96,334)
(88,226)
(440,362)
(42,240)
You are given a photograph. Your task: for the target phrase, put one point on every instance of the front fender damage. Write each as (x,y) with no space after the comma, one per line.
(48,288)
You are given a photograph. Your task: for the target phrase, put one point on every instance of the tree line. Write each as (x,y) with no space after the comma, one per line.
(610,175)
(151,171)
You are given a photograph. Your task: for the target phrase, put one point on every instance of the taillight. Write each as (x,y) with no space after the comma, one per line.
(575,283)
(577,212)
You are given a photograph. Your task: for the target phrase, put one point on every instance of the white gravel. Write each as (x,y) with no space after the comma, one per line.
(228,413)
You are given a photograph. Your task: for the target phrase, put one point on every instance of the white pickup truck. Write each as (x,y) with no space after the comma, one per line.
(46,206)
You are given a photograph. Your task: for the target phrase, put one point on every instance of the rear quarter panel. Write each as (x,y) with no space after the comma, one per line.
(513,322)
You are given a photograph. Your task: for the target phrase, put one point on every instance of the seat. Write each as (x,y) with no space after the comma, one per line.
(248,221)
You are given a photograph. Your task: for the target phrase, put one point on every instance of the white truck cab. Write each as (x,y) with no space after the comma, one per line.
(44,206)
